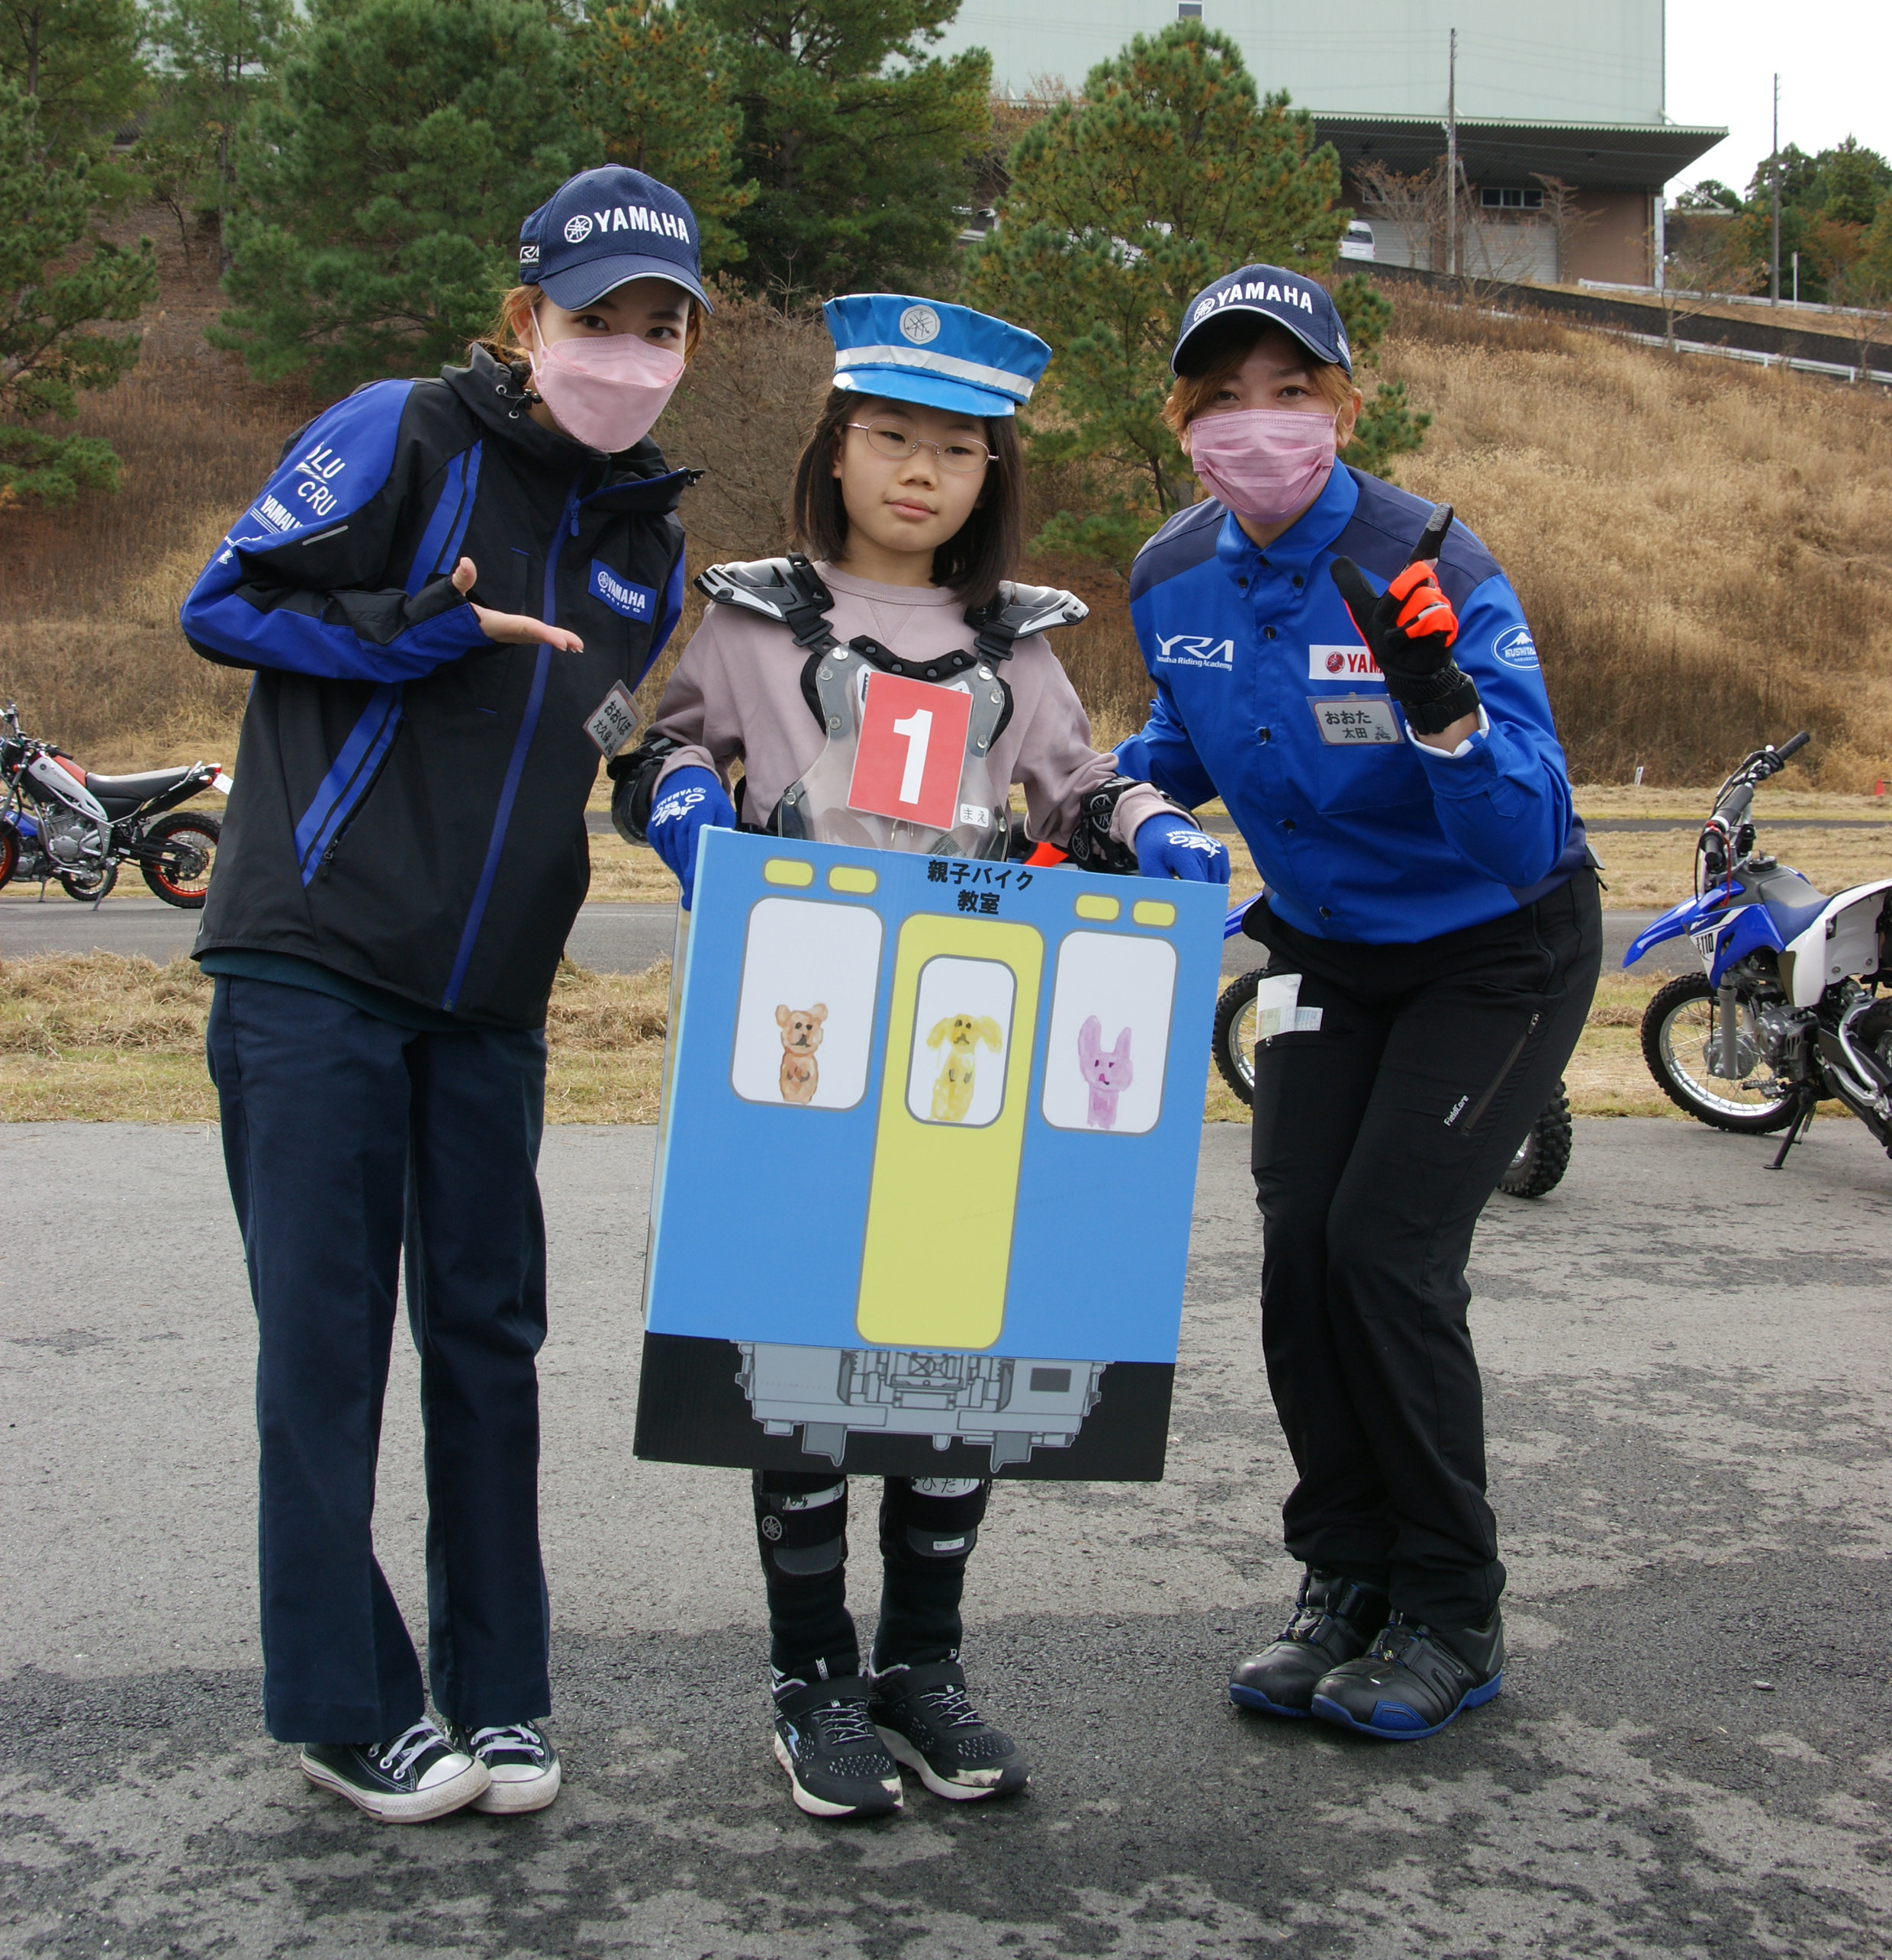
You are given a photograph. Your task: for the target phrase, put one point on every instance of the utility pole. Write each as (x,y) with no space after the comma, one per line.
(1774,170)
(1452,155)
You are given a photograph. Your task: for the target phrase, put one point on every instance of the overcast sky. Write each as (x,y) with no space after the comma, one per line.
(1835,59)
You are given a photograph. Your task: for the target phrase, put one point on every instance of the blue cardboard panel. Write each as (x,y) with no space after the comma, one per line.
(931,1134)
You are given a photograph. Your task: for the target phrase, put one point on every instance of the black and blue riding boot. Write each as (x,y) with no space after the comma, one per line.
(1414,1679)
(1334,1620)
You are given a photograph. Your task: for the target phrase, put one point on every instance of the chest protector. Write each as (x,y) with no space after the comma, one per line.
(836,681)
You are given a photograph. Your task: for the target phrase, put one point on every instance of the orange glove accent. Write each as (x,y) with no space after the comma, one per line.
(1425,610)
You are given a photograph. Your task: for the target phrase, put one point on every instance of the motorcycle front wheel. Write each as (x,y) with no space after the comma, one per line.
(1679,1035)
(187,843)
(88,886)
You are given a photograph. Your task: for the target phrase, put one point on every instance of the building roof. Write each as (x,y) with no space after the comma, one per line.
(1630,156)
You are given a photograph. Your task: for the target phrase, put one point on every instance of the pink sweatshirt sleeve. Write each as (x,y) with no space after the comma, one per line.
(698,708)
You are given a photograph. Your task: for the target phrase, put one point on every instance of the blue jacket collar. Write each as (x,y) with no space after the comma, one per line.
(1303,541)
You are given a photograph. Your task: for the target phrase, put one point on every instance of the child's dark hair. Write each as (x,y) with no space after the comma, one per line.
(984,550)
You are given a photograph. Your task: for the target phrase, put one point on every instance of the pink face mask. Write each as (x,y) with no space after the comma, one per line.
(1264,463)
(606,391)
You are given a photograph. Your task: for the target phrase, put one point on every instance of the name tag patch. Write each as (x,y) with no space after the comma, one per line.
(613,722)
(1348,720)
(634,602)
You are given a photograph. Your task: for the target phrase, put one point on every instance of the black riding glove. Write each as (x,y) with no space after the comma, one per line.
(1409,628)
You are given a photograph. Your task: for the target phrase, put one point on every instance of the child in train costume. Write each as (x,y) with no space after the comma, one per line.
(777,676)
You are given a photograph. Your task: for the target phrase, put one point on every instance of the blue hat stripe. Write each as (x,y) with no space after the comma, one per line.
(949,364)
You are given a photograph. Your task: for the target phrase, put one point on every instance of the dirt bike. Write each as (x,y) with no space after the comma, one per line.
(60,821)
(1787,1011)
(1541,1159)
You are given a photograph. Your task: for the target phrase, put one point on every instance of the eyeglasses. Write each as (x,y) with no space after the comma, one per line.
(960,456)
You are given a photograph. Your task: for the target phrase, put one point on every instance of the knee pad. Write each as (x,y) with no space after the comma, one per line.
(801,1522)
(931,1521)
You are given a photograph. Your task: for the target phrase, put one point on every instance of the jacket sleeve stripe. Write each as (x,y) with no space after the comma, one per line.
(361,753)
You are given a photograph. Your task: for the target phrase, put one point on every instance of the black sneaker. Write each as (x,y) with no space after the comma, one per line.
(520,1759)
(925,1720)
(825,1739)
(1414,1679)
(1334,1620)
(418,1776)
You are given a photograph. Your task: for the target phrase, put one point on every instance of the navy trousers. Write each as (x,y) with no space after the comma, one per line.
(346,1136)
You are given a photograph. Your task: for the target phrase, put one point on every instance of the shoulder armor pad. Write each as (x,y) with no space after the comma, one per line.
(788,591)
(1020,610)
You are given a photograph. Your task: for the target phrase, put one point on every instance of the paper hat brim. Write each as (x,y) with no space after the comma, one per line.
(929,390)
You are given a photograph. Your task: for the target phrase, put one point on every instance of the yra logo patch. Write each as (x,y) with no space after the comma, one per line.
(1515,648)
(634,602)
(1196,650)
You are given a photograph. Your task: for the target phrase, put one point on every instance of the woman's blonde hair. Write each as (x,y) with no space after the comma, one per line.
(507,338)
(1190,394)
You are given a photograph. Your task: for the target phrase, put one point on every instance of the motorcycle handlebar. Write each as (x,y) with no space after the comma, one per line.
(1792,746)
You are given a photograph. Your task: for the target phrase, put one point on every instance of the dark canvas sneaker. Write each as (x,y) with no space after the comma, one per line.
(418,1776)
(825,1739)
(1335,1620)
(928,1724)
(1414,1679)
(520,1759)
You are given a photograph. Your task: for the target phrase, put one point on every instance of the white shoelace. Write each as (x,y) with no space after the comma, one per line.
(398,1757)
(505,1735)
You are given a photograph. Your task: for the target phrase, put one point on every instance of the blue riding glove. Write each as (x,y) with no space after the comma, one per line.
(688,803)
(1171,847)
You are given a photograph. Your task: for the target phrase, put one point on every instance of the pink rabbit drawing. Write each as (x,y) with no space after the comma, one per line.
(1106,1070)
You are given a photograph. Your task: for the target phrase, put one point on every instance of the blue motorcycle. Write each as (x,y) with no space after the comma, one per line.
(1787,1011)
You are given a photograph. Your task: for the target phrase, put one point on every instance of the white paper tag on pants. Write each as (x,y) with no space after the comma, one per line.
(1278,1010)
(1348,720)
(613,722)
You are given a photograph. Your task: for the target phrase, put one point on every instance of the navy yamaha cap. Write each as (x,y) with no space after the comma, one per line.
(604,226)
(931,352)
(1289,299)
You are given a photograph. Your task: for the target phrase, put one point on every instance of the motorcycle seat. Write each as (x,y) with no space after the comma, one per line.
(129,791)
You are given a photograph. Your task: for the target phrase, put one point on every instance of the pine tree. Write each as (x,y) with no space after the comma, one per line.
(79,60)
(49,301)
(387,185)
(215,59)
(657,85)
(860,143)
(1169,170)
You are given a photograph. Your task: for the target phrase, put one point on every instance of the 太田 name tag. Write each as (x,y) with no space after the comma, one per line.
(1347,720)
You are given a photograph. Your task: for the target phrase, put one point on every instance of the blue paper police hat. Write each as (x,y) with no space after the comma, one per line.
(1289,299)
(604,226)
(927,351)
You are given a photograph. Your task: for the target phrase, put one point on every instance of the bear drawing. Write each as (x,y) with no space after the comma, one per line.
(801,1036)
(1106,1071)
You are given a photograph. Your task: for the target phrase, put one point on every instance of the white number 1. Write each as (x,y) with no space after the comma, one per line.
(917,728)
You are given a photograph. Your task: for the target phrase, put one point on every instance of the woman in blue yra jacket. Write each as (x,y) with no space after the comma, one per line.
(443,591)
(1362,690)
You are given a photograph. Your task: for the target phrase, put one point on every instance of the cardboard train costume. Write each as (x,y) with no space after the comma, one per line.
(911,1080)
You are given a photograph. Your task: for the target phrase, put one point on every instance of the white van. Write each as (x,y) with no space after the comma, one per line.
(1358,242)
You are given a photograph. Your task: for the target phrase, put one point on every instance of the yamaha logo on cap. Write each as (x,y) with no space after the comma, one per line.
(920,324)
(605,227)
(1289,299)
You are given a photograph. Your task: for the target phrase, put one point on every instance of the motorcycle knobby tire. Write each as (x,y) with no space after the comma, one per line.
(195,831)
(1233,1041)
(1544,1155)
(1669,1001)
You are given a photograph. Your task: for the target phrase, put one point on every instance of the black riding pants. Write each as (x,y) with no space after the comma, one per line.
(928,1526)
(1378,1140)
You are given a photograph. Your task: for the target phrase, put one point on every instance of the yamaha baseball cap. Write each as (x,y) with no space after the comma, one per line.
(931,352)
(1289,299)
(605,227)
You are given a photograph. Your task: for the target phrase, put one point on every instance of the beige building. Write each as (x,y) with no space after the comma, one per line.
(1540,88)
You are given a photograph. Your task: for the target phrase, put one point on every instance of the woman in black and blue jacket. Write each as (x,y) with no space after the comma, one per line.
(445,591)
(1362,690)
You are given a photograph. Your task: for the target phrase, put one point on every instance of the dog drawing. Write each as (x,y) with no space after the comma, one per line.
(952,1088)
(801,1031)
(1106,1071)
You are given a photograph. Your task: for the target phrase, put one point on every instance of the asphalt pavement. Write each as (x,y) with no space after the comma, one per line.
(1688,1372)
(608,937)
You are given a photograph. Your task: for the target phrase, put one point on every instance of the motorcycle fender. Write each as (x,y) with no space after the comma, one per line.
(1844,939)
(1688,917)
(1751,930)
